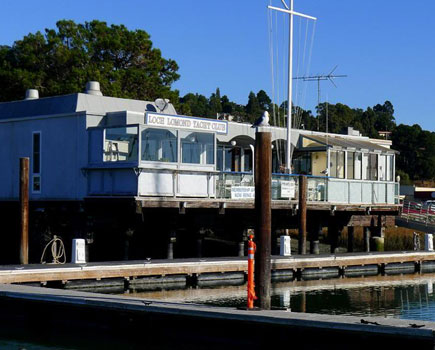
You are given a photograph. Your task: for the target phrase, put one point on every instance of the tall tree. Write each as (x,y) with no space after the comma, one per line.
(64,59)
(253,109)
(264,100)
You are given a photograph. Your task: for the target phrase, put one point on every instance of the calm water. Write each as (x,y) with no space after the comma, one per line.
(402,296)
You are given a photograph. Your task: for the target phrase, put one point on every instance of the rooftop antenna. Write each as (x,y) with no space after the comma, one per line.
(289,10)
(319,78)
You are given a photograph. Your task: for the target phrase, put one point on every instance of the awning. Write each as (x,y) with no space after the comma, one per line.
(337,142)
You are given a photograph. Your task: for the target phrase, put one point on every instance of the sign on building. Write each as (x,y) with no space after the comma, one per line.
(243,192)
(182,122)
(288,189)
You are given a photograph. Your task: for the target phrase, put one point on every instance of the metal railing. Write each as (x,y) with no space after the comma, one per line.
(418,211)
(240,185)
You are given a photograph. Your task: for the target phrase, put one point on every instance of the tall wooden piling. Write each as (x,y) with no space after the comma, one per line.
(263,211)
(302,244)
(24,210)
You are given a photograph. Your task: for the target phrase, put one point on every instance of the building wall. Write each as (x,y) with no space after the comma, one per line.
(63,154)
(318,163)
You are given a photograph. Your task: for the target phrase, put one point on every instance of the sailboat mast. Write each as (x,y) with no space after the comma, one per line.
(288,154)
(292,13)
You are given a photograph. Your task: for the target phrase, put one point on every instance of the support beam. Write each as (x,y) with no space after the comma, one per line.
(366,238)
(263,211)
(350,238)
(316,231)
(333,234)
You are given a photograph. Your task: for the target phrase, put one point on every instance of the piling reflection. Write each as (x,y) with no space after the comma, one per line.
(398,296)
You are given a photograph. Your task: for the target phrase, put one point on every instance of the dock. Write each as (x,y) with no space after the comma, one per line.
(292,266)
(97,321)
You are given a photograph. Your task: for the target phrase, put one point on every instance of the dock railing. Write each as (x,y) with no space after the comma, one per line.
(240,185)
(418,211)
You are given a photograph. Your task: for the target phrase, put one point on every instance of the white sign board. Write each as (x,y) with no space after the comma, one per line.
(288,189)
(182,122)
(243,192)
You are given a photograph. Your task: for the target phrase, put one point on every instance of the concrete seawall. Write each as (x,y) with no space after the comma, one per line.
(96,321)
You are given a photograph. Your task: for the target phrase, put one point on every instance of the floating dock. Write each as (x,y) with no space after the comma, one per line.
(293,266)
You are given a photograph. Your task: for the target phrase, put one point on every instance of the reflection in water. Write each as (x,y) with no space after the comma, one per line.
(399,296)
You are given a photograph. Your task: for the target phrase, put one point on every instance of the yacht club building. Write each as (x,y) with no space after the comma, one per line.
(90,148)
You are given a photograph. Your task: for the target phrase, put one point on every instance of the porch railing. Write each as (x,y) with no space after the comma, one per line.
(240,185)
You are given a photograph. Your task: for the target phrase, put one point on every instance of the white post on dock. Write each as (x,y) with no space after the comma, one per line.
(291,13)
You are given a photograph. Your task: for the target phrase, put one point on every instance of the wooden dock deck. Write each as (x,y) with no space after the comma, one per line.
(188,267)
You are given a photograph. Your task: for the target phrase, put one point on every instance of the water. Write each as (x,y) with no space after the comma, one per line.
(401,296)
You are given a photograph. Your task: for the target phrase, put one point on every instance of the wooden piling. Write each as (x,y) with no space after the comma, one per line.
(333,234)
(302,244)
(263,211)
(24,210)
(366,238)
(350,238)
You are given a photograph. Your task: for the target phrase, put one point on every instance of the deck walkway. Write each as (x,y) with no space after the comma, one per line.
(134,269)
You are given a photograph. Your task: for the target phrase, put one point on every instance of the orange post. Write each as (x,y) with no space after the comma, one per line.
(251,286)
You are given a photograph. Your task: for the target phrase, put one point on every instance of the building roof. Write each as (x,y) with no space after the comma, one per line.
(79,102)
(349,143)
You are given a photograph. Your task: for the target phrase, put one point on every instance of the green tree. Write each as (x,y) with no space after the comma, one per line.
(253,109)
(64,59)
(264,100)
(215,105)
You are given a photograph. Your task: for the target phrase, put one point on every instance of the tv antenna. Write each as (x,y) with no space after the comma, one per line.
(331,76)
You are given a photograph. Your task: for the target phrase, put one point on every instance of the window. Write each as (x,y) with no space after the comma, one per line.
(302,163)
(390,168)
(373,166)
(120,144)
(350,165)
(358,166)
(228,159)
(337,164)
(197,148)
(247,160)
(382,167)
(36,167)
(159,145)
(220,158)
(365,167)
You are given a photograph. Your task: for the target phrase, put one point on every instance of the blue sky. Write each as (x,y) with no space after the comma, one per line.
(387,48)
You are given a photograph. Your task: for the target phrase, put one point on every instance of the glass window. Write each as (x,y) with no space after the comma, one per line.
(365,167)
(340,164)
(247,159)
(120,144)
(197,148)
(382,167)
(228,158)
(220,158)
(358,166)
(302,163)
(337,164)
(159,145)
(373,163)
(333,163)
(390,168)
(350,165)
